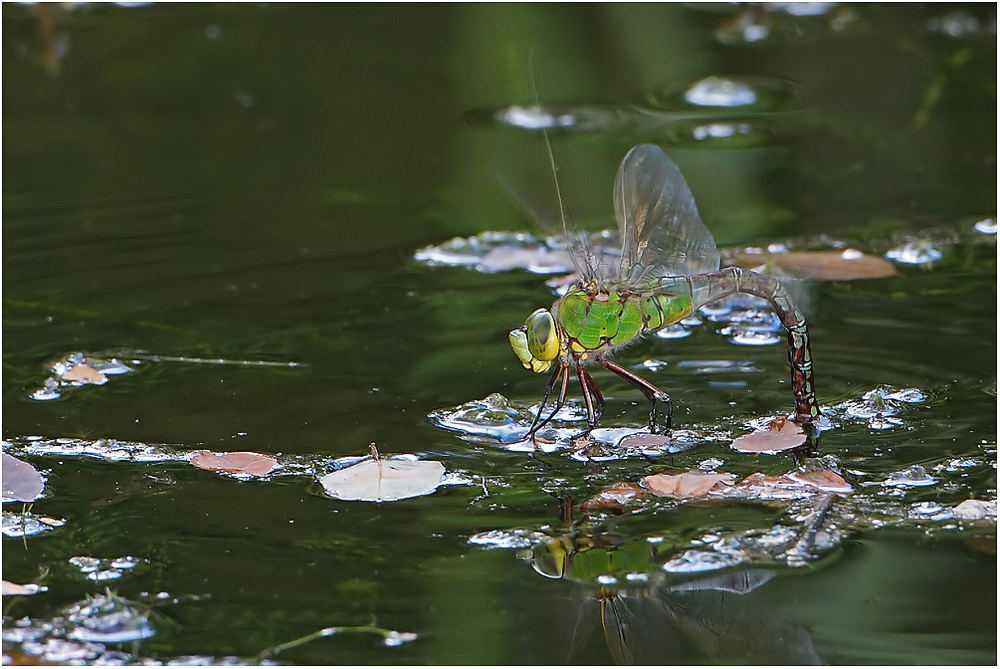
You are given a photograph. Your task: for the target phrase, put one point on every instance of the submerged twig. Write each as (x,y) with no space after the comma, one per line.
(389,637)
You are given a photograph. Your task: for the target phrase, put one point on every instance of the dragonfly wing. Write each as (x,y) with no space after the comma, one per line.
(661,231)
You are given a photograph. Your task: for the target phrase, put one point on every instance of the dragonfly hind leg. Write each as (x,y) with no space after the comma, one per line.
(652,393)
(592,398)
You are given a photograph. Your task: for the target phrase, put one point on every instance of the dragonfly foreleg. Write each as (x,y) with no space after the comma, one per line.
(562,371)
(652,393)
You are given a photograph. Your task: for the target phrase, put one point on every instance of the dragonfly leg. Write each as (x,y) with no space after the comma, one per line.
(561,372)
(591,392)
(652,393)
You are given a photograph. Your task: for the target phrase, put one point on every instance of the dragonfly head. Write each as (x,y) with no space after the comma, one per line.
(536,343)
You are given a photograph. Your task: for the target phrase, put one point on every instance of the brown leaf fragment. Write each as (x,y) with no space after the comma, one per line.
(844,265)
(824,479)
(780,435)
(243,463)
(686,484)
(614,496)
(84,374)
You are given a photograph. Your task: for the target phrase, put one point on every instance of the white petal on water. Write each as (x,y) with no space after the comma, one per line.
(384,480)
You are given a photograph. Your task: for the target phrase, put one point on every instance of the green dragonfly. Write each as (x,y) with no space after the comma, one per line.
(667,266)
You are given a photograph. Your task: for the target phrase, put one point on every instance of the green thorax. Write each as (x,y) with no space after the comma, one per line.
(598,320)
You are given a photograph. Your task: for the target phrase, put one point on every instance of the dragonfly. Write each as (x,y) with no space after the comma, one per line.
(666,267)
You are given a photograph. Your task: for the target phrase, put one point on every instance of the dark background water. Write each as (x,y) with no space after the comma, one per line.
(250,182)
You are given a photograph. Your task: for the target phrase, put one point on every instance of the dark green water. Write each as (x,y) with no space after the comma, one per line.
(252,182)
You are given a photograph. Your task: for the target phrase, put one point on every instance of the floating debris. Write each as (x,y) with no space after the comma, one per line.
(98,569)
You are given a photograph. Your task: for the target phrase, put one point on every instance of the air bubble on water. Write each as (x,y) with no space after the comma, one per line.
(717,366)
(516,538)
(917,252)
(697,561)
(108,619)
(957,23)
(673,331)
(915,476)
(804,8)
(717,91)
(908,395)
(394,638)
(750,337)
(533,118)
(720,130)
(111,450)
(85,564)
(930,511)
(987,226)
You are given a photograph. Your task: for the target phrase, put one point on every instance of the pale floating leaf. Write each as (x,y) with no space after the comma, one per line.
(382,480)
(974,509)
(239,463)
(21,481)
(81,373)
(844,265)
(13,589)
(686,484)
(615,496)
(781,435)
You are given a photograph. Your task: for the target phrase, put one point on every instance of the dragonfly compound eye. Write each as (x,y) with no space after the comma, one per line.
(543,341)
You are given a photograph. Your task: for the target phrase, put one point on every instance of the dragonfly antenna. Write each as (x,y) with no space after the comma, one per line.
(548,143)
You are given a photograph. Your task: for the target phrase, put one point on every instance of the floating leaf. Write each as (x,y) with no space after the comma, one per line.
(21,481)
(84,374)
(974,509)
(11,589)
(824,479)
(781,435)
(384,480)
(239,463)
(843,265)
(615,496)
(686,484)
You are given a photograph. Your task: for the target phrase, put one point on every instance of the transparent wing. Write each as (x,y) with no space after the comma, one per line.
(661,232)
